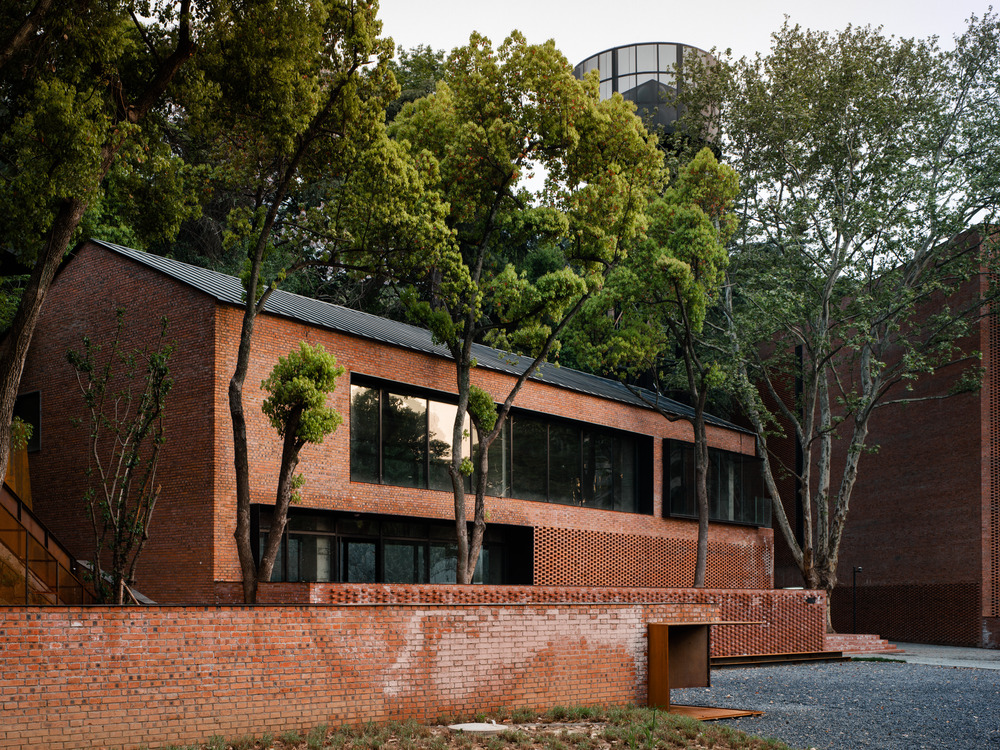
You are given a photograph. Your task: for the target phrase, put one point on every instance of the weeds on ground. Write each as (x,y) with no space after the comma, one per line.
(560,728)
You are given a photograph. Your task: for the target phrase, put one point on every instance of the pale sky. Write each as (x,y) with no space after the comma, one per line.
(584,27)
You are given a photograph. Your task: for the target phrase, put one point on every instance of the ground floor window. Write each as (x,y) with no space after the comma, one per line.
(404,439)
(325,546)
(735,485)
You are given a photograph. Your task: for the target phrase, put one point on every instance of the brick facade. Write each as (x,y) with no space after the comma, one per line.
(153,676)
(191,556)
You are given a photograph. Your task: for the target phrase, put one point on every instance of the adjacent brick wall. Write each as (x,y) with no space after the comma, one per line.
(82,302)
(97,677)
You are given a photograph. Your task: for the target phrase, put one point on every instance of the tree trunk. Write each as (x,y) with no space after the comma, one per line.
(14,349)
(289,462)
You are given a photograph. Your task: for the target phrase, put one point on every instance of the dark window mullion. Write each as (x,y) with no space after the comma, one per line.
(378,437)
(427,443)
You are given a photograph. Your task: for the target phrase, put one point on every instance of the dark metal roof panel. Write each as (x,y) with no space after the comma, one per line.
(229,290)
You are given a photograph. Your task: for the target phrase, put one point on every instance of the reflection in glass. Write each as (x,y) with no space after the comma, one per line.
(440,423)
(598,470)
(564,464)
(735,485)
(359,561)
(403,562)
(498,469)
(364,434)
(645,57)
(605,65)
(627,474)
(530,459)
(310,558)
(668,57)
(626,61)
(404,440)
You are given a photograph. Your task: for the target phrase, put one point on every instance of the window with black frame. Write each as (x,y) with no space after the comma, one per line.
(735,485)
(322,546)
(404,440)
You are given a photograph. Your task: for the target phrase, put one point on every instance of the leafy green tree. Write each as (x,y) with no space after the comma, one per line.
(84,88)
(295,134)
(417,71)
(862,159)
(498,116)
(297,390)
(651,315)
(125,394)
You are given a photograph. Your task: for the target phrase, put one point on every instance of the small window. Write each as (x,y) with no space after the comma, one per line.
(28,407)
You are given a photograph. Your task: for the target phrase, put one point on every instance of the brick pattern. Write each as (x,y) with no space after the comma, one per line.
(95,677)
(583,557)
(946,613)
(191,544)
(789,620)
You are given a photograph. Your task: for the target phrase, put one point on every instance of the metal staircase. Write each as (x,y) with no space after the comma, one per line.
(35,569)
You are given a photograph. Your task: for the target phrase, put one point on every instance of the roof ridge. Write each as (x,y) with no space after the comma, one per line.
(229,290)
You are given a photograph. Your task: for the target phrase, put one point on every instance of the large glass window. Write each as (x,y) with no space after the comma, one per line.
(564,460)
(530,468)
(325,546)
(401,439)
(735,485)
(365,465)
(405,440)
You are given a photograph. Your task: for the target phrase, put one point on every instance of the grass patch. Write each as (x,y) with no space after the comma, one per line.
(560,728)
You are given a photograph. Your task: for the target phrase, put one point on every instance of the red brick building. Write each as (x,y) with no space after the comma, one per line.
(578,483)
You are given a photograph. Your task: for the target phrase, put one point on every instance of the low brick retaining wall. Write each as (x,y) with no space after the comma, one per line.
(81,677)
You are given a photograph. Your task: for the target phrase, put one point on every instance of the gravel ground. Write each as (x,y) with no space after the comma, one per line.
(846,705)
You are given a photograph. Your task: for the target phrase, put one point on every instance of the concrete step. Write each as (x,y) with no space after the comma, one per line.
(751,660)
(858,643)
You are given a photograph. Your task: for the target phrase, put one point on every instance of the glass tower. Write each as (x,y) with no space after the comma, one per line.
(645,74)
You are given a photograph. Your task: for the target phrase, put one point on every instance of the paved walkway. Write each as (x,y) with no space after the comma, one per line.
(947,656)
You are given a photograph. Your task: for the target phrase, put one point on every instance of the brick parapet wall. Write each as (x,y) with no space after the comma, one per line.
(79,677)
(788,621)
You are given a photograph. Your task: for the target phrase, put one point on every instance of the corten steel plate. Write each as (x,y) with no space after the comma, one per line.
(707,713)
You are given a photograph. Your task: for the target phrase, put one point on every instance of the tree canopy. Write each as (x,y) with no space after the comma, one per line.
(499,117)
(650,316)
(83,92)
(862,157)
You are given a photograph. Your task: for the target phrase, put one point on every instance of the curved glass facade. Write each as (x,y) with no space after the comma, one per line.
(645,74)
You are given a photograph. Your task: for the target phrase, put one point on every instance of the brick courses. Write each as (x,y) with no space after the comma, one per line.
(191,552)
(97,677)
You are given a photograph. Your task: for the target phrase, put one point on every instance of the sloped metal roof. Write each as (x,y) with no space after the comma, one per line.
(229,290)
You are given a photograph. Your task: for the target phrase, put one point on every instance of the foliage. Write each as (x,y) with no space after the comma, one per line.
(87,105)
(288,118)
(417,71)
(297,389)
(124,393)
(651,315)
(862,159)
(20,434)
(496,117)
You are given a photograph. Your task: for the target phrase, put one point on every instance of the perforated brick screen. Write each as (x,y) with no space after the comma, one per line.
(578,557)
